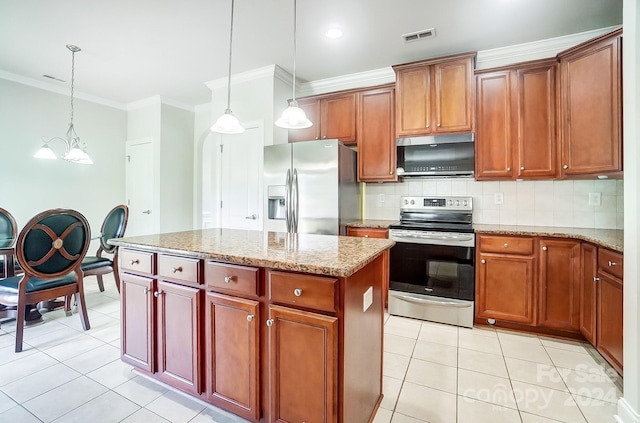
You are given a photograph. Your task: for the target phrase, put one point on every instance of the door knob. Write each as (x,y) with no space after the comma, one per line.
(146,212)
(252,217)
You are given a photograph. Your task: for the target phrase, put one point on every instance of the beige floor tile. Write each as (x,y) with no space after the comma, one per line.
(390,390)
(6,403)
(535,373)
(547,402)
(18,414)
(597,411)
(472,411)
(73,347)
(141,390)
(525,351)
(573,360)
(433,375)
(94,359)
(595,385)
(175,407)
(144,416)
(113,374)
(394,365)
(481,330)
(427,404)
(438,335)
(216,415)
(471,341)
(24,366)
(533,418)
(402,326)
(436,353)
(399,344)
(563,344)
(108,407)
(518,337)
(107,334)
(482,362)
(383,416)
(7,339)
(38,383)
(60,335)
(401,418)
(487,388)
(8,354)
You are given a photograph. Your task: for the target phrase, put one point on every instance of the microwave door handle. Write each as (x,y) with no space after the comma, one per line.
(287,199)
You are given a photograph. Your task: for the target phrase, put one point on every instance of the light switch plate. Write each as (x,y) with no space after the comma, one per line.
(367,299)
(498,198)
(595,198)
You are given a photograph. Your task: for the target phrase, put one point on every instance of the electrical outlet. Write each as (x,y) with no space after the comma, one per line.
(498,198)
(595,198)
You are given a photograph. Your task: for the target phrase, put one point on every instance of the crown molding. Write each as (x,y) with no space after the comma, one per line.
(157,99)
(58,89)
(345,82)
(238,78)
(525,52)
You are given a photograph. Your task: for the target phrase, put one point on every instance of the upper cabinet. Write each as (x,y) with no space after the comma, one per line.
(435,96)
(591,107)
(333,117)
(516,128)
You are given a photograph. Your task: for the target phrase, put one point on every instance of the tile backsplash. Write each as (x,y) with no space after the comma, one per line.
(533,203)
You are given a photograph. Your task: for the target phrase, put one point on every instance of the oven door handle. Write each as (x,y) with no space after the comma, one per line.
(417,300)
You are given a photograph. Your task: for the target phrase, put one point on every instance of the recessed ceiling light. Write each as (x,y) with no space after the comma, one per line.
(333,33)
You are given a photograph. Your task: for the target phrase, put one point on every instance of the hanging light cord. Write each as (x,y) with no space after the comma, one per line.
(294,50)
(73,70)
(230,45)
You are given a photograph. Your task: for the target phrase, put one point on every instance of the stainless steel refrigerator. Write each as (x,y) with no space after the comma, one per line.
(310,187)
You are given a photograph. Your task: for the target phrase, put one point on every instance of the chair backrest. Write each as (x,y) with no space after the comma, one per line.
(8,229)
(53,243)
(114,226)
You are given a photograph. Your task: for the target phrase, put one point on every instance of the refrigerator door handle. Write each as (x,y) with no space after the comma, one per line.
(287,199)
(295,197)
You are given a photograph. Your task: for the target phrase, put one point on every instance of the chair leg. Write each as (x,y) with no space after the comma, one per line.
(20,327)
(82,311)
(116,276)
(68,305)
(100,283)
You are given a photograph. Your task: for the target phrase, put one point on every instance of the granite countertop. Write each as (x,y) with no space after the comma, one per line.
(609,238)
(372,223)
(320,254)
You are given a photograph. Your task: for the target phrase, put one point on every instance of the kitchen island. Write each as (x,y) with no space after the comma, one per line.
(267,325)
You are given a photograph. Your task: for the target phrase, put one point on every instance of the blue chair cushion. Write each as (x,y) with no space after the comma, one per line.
(10,285)
(93,262)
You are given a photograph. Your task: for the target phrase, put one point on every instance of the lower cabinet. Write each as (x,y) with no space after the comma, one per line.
(137,317)
(588,292)
(610,306)
(303,347)
(232,354)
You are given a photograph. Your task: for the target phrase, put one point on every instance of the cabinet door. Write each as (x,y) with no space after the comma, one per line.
(493,146)
(559,284)
(536,122)
(303,366)
(413,105)
(338,118)
(178,339)
(232,354)
(610,319)
(504,288)
(376,136)
(453,94)
(137,311)
(590,92)
(311,107)
(588,292)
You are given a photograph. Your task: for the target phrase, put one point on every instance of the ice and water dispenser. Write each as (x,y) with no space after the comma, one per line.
(276,196)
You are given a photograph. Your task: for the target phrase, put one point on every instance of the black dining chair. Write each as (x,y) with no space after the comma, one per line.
(49,249)
(8,233)
(113,226)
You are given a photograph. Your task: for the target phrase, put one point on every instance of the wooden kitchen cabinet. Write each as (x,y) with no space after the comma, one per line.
(368,232)
(137,320)
(505,277)
(559,284)
(333,116)
(232,354)
(303,347)
(516,129)
(591,107)
(435,96)
(610,307)
(376,135)
(588,292)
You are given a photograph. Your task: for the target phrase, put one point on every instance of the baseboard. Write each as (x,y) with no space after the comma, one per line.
(626,413)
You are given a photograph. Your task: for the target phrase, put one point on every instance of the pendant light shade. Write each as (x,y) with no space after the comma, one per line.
(293,116)
(228,123)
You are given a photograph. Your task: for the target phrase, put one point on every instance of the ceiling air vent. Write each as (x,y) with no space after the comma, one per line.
(419,35)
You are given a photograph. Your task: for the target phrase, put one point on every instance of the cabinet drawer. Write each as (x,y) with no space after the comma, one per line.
(179,268)
(229,277)
(506,245)
(368,232)
(136,261)
(303,290)
(610,262)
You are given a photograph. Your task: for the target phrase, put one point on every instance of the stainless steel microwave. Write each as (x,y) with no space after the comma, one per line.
(436,156)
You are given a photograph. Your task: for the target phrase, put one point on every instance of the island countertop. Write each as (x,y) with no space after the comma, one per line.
(319,254)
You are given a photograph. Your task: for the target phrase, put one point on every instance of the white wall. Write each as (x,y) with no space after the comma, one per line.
(537,203)
(29,185)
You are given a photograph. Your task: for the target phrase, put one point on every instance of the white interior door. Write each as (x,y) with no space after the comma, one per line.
(139,181)
(241,179)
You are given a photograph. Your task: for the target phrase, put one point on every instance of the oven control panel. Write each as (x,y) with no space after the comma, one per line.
(436,203)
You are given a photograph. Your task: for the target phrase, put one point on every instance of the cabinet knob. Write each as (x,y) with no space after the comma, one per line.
(132,262)
(521,167)
(146,290)
(297,292)
(483,261)
(427,126)
(438,125)
(544,248)
(596,279)
(366,236)
(506,245)
(228,279)
(157,294)
(565,166)
(250,317)
(269,322)
(612,263)
(324,138)
(508,169)
(391,172)
(176,269)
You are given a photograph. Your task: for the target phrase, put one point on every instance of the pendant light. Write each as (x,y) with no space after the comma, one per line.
(293,116)
(75,151)
(228,123)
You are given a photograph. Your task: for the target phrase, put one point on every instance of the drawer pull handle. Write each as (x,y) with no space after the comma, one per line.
(506,245)
(176,269)
(544,248)
(228,279)
(596,279)
(297,292)
(250,317)
(146,290)
(565,166)
(612,263)
(521,167)
(366,236)
(157,293)
(483,261)
(508,169)
(269,322)
(136,261)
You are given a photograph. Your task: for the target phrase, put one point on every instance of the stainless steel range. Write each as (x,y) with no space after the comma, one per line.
(432,265)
